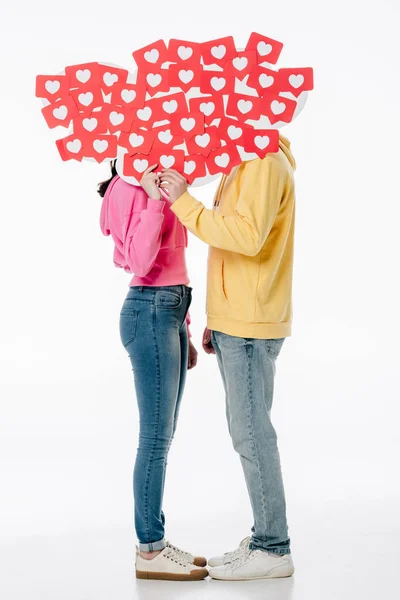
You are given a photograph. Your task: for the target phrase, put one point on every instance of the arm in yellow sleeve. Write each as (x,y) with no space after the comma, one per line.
(256,209)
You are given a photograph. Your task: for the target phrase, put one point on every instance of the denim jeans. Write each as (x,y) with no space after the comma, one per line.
(153,331)
(247,367)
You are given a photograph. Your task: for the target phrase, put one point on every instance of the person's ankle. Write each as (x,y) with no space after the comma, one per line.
(149,555)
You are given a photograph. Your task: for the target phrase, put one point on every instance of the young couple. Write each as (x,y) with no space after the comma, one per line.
(250,232)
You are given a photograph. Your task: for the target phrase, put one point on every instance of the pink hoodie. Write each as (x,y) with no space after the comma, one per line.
(149,239)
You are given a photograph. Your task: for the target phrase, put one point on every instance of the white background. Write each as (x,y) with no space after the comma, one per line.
(69,423)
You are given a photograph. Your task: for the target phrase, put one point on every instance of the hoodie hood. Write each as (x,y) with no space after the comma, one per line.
(284,145)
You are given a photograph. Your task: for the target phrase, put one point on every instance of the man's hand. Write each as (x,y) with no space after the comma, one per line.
(192,358)
(206,343)
(174,183)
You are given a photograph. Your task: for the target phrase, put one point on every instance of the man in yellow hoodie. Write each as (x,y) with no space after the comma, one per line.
(250,231)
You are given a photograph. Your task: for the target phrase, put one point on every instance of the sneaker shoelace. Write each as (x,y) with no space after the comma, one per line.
(244,557)
(242,547)
(183,552)
(176,556)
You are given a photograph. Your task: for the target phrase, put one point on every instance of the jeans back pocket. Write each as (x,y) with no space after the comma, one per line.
(127,325)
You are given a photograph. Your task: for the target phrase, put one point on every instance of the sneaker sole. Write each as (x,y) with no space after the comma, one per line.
(200,561)
(270,576)
(196,575)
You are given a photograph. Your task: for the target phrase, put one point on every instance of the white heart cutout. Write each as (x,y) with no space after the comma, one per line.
(153,79)
(136,140)
(263,48)
(207,108)
(165,136)
(222,160)
(185,76)
(278,107)
(188,124)
(240,63)
(89,124)
(128,95)
(266,80)
(152,55)
(184,52)
(189,167)
(202,140)
(144,114)
(83,75)
(261,141)
(218,51)
(74,146)
(52,86)
(244,106)
(167,161)
(170,106)
(86,98)
(116,118)
(140,164)
(100,145)
(60,112)
(234,132)
(110,78)
(296,81)
(218,83)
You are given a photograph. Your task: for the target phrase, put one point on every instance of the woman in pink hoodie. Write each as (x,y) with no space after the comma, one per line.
(149,241)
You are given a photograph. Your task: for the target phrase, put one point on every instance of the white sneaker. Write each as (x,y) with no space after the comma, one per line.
(199,561)
(255,564)
(168,564)
(217,561)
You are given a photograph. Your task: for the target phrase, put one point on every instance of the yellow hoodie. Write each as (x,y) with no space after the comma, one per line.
(250,232)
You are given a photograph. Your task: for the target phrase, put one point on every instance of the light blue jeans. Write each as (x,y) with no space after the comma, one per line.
(247,367)
(153,331)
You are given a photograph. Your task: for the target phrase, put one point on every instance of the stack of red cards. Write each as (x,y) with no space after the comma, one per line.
(199,125)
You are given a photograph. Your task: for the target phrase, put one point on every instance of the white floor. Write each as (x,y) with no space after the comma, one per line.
(337,563)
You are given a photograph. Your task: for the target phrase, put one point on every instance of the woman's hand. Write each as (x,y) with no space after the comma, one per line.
(207,343)
(192,358)
(174,183)
(150,183)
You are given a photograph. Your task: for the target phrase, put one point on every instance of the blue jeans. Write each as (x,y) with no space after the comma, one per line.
(153,331)
(247,367)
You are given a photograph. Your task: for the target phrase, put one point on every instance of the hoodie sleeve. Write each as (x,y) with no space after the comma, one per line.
(188,321)
(142,239)
(258,203)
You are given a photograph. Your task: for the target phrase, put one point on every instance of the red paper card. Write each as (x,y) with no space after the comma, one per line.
(135,165)
(185,75)
(137,141)
(223,160)
(166,106)
(268,50)
(242,64)
(128,94)
(52,87)
(117,118)
(296,81)
(211,106)
(194,166)
(217,82)
(217,52)
(264,80)
(110,76)
(96,122)
(232,131)
(87,99)
(181,51)
(84,74)
(188,124)
(203,143)
(155,80)
(261,141)
(71,147)
(168,159)
(152,55)
(143,117)
(243,107)
(101,147)
(164,139)
(277,108)
(60,113)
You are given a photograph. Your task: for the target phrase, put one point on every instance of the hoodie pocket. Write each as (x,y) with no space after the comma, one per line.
(216,289)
